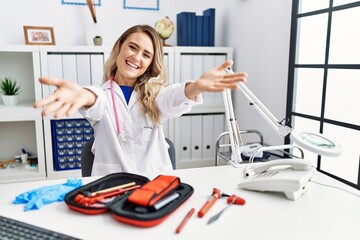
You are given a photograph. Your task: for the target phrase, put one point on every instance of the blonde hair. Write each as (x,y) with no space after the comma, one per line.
(152,81)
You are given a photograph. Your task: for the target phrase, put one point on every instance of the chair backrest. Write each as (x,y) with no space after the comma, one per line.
(87,157)
(172,153)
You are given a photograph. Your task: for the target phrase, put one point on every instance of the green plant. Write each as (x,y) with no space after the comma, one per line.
(9,86)
(97,37)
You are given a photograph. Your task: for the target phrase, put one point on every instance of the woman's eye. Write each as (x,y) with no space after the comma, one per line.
(146,56)
(132,47)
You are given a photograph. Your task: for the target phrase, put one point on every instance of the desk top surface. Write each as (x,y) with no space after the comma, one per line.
(321,213)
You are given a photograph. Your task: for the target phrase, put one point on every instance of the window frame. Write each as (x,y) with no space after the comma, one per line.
(293,66)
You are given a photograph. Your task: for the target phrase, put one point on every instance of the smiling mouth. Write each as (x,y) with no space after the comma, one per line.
(131,65)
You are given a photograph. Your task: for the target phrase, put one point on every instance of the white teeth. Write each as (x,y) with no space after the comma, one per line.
(132,65)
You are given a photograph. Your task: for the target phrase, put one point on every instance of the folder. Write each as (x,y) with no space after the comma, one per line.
(206,30)
(54,70)
(181,23)
(197,64)
(191,29)
(185,67)
(208,137)
(211,13)
(196,138)
(199,30)
(185,138)
(209,63)
(219,126)
(97,69)
(219,60)
(83,69)
(69,66)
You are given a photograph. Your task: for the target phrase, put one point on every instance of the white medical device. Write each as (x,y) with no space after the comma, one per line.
(314,142)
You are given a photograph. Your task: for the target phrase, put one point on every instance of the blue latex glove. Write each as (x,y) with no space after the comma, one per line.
(36,198)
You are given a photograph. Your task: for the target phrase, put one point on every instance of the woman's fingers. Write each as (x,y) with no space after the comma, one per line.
(50,81)
(227,64)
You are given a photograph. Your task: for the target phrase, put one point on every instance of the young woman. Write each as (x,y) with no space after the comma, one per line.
(126,112)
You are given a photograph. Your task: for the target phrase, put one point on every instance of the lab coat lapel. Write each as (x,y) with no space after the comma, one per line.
(133,99)
(120,96)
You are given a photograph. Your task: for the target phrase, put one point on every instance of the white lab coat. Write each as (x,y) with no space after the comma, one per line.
(145,148)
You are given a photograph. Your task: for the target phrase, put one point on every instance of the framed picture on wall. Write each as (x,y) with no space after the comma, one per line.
(39,35)
(152,5)
(80,2)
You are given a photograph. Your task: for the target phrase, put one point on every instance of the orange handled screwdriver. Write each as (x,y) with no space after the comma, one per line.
(215,196)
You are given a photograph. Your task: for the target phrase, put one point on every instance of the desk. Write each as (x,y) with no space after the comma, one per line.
(321,213)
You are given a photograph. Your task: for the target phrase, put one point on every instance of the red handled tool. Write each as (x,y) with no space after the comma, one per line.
(87,201)
(215,196)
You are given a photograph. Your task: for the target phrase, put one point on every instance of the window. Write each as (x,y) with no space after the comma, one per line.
(324,80)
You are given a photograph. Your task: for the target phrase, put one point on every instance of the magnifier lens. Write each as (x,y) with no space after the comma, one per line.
(317,140)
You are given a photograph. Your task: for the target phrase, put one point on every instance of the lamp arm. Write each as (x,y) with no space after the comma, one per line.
(280,129)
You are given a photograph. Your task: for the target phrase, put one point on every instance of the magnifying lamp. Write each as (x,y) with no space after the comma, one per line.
(314,142)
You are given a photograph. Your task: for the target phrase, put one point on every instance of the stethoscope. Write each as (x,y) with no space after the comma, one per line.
(120,136)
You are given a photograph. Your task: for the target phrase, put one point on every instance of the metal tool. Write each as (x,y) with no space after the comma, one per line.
(233,199)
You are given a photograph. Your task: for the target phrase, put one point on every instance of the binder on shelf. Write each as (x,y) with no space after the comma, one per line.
(97,69)
(219,59)
(54,70)
(83,69)
(69,66)
(211,13)
(209,63)
(185,67)
(206,31)
(196,138)
(219,127)
(185,138)
(182,25)
(199,31)
(208,145)
(197,66)
(191,29)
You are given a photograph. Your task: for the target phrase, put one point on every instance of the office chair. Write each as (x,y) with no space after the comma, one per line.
(87,157)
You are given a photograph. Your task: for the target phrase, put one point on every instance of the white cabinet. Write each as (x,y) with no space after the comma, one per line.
(22,126)
(65,137)
(195,134)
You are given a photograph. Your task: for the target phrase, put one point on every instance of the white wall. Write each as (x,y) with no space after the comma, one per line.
(258,30)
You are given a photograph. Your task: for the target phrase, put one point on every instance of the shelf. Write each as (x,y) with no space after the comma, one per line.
(21,173)
(216,107)
(23,111)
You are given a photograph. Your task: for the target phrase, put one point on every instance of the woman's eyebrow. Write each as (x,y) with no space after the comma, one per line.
(137,45)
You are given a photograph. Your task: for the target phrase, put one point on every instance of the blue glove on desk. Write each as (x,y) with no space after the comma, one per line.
(36,198)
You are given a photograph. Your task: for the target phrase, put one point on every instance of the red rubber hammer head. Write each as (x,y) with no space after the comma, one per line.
(233,199)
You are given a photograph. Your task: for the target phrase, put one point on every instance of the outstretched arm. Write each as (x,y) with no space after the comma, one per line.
(215,80)
(66,100)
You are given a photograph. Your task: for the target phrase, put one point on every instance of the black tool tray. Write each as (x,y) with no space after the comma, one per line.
(123,210)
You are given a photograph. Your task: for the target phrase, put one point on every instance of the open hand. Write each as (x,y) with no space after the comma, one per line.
(66,100)
(215,80)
